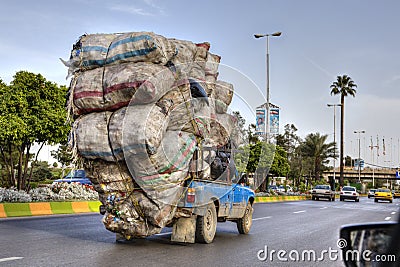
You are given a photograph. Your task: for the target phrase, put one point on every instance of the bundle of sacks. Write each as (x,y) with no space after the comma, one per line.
(142,105)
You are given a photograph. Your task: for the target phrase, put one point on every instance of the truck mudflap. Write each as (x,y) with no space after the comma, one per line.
(184,230)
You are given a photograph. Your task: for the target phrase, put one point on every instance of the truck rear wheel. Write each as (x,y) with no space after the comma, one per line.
(244,224)
(206,225)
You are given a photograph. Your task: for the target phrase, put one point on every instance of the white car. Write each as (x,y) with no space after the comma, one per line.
(371,193)
(281,188)
(349,192)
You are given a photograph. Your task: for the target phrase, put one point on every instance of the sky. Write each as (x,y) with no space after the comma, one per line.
(320,40)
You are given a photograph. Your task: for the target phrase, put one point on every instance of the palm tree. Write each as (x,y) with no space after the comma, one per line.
(315,147)
(344,86)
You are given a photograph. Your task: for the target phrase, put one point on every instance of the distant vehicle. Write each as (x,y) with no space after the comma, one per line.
(396,194)
(322,191)
(349,192)
(383,194)
(74,176)
(281,188)
(273,188)
(371,193)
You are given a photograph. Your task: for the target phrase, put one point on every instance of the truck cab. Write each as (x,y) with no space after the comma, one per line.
(217,198)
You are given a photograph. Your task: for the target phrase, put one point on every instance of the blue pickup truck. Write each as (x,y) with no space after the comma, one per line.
(208,201)
(75,176)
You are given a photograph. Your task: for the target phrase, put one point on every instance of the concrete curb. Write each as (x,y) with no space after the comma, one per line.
(260,199)
(47,208)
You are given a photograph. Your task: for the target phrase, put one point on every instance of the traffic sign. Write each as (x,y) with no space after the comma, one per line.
(356,164)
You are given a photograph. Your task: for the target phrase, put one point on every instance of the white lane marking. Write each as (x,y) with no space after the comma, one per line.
(393,213)
(11,259)
(323,208)
(166,233)
(262,218)
(300,211)
(388,218)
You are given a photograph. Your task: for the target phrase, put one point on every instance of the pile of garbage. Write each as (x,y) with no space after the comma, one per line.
(142,104)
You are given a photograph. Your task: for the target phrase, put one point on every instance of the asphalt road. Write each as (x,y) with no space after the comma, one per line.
(81,240)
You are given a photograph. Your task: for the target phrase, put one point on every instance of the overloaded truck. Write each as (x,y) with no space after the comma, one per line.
(152,130)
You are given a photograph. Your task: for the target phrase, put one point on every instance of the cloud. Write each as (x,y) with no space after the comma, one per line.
(149,8)
(393,79)
(131,9)
(159,9)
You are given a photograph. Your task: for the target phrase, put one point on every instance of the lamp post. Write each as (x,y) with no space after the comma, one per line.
(372,159)
(334,138)
(359,157)
(267,126)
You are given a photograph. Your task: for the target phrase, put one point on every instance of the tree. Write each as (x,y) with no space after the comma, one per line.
(41,171)
(343,86)
(252,137)
(280,166)
(290,142)
(32,111)
(262,158)
(348,161)
(316,148)
(63,154)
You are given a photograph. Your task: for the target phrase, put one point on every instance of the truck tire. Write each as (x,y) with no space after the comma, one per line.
(206,225)
(244,223)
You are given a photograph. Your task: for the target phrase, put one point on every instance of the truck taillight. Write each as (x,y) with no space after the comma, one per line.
(191,196)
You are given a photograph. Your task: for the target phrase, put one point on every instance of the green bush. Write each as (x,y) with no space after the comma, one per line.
(356,185)
(34,184)
(41,171)
(57,173)
(302,187)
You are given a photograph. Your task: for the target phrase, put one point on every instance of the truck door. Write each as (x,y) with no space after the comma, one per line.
(239,201)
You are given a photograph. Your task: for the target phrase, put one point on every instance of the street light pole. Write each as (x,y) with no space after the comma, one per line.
(359,157)
(334,138)
(267,122)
